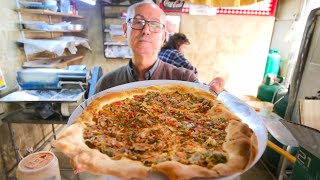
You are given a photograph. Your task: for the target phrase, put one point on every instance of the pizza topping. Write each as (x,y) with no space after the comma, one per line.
(181,131)
(158,127)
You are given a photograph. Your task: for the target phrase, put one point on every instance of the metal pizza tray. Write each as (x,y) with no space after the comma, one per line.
(237,106)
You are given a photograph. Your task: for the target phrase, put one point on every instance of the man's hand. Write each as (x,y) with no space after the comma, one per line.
(217,85)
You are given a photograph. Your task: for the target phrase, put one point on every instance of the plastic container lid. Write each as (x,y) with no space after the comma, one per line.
(36,162)
(39,166)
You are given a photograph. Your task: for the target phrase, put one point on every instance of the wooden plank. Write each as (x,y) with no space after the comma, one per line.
(42,35)
(59,62)
(36,17)
(47,12)
(53,31)
(310,113)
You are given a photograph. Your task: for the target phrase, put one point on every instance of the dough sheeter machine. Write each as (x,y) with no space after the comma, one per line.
(46,92)
(48,96)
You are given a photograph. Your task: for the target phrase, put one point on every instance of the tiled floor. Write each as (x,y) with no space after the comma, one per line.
(258,171)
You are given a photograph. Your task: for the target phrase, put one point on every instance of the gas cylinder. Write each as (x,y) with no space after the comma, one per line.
(281,103)
(273,63)
(268,88)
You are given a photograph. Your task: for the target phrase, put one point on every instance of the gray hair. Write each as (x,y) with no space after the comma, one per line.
(131,9)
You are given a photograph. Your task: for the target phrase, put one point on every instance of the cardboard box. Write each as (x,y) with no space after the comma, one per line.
(307,166)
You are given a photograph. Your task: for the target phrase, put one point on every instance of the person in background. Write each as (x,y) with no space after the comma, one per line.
(172,52)
(145,32)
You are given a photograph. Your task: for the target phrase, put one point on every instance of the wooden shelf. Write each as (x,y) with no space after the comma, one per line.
(111,43)
(30,118)
(113,4)
(47,12)
(62,31)
(58,62)
(119,18)
(114,43)
(108,31)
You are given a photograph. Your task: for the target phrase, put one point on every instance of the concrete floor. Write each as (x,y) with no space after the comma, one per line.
(258,171)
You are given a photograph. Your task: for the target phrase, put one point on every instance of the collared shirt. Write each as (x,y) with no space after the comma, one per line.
(147,75)
(176,58)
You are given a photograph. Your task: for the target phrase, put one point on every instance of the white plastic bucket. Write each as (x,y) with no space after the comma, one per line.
(39,166)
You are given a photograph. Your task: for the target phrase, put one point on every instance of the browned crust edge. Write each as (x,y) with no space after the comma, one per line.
(71,143)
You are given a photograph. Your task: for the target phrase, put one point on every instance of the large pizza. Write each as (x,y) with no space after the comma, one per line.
(181,131)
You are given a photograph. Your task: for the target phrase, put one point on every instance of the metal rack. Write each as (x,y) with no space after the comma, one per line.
(23,118)
(52,17)
(111,14)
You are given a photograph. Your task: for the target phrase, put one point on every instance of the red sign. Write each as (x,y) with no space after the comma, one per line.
(177,6)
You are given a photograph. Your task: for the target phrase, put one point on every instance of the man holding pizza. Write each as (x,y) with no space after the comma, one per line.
(145,32)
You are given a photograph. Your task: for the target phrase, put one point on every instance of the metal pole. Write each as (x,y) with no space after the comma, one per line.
(54,132)
(16,149)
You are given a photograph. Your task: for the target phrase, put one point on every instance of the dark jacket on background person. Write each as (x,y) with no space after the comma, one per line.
(176,58)
(172,52)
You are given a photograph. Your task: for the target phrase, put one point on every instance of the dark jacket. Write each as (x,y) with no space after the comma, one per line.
(164,71)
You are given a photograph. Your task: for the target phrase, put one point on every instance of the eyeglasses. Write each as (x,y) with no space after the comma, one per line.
(139,24)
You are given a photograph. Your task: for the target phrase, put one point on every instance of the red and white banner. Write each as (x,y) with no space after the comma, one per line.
(262,8)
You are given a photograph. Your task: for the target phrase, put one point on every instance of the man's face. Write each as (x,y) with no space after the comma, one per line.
(144,42)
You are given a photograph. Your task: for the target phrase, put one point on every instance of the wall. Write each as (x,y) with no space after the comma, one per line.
(231,46)
(8,49)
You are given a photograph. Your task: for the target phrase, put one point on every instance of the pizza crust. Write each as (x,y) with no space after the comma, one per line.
(72,144)
(241,144)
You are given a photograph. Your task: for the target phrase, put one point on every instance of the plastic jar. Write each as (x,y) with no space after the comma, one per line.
(39,166)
